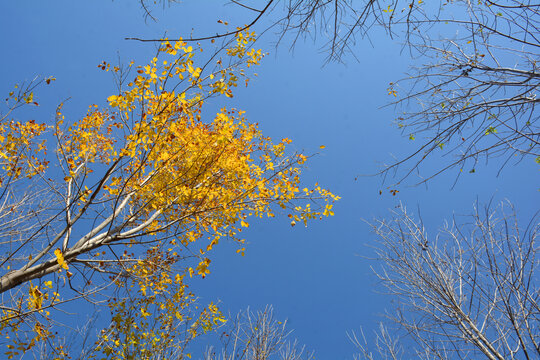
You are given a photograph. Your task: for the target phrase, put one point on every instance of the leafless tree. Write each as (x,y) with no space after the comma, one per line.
(257,336)
(472,291)
(386,345)
(475,96)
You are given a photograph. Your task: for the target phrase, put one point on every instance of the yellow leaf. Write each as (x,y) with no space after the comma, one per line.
(60,259)
(36,297)
(145,313)
(29,98)
(197,72)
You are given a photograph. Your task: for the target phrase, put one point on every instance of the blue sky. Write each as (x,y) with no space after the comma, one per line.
(318,277)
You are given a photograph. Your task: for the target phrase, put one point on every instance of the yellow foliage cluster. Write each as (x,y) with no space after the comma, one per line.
(19,149)
(160,316)
(204,178)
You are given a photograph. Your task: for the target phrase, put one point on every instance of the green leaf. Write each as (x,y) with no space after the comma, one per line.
(491,130)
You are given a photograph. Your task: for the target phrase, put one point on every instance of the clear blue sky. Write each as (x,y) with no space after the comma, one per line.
(316,277)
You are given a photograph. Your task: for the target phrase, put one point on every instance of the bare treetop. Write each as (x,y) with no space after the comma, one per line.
(472,289)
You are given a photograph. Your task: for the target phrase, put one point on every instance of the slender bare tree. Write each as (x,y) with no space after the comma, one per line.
(471,291)
(257,336)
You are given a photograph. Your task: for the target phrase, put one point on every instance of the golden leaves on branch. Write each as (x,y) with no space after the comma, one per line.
(165,181)
(60,259)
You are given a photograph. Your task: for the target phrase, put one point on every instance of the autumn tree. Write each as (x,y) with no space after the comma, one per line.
(122,206)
